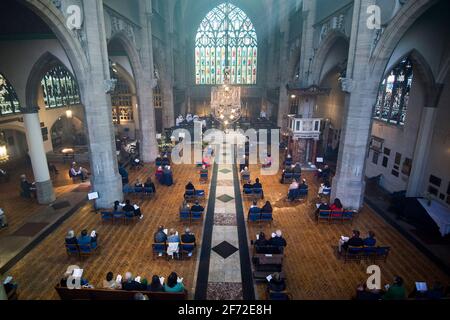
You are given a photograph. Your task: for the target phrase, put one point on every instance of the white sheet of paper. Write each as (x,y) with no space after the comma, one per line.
(122,204)
(8,280)
(274,235)
(138,279)
(345,238)
(269,255)
(180,280)
(166,231)
(257,237)
(317,205)
(161,279)
(119,278)
(93,196)
(269,277)
(136,207)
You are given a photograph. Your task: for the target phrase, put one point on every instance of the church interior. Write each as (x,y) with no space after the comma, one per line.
(224,150)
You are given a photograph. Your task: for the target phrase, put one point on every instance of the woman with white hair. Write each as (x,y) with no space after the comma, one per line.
(70,238)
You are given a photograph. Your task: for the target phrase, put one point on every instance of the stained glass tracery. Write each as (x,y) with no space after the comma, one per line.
(9,103)
(60,88)
(226,33)
(393,96)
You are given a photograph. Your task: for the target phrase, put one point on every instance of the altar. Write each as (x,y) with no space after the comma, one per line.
(439,213)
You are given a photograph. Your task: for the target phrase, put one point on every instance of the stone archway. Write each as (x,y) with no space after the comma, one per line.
(147,132)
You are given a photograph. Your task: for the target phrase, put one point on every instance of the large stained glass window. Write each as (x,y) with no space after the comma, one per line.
(60,88)
(393,96)
(9,103)
(226,37)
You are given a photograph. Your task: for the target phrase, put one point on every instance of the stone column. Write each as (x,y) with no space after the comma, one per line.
(361,89)
(105,177)
(307,48)
(283,105)
(36,150)
(149,147)
(168,104)
(421,152)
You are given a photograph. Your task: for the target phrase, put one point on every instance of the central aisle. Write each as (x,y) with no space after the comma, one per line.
(225,270)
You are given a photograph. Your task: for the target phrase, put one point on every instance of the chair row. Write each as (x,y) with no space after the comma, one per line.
(289,177)
(194,195)
(120,216)
(372,254)
(108,294)
(330,216)
(160,249)
(254,193)
(260,217)
(191,215)
(296,194)
(81,250)
(148,192)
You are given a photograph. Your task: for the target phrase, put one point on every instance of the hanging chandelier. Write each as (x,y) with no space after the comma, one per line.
(226,101)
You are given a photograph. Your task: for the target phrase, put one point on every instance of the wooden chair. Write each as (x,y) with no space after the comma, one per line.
(72,250)
(159,249)
(186,248)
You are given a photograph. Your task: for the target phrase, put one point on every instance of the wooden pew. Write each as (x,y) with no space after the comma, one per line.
(108,294)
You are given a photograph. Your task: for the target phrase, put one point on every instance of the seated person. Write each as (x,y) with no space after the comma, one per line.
(254,209)
(261,240)
(354,241)
(150,185)
(138,184)
(159,174)
(288,161)
(325,188)
(174,283)
(337,205)
(276,284)
(132,210)
(94,239)
(303,185)
(158,160)
(206,162)
(286,170)
(28,189)
(267,162)
(257,184)
(248,186)
(185,207)
(294,185)
(267,208)
(127,188)
(130,284)
(167,178)
(160,236)
(277,240)
(245,172)
(190,187)
(203,170)
(323,205)
(3,220)
(396,291)
(297,169)
(77,172)
(189,238)
(155,285)
(110,283)
(370,241)
(173,241)
(197,207)
(117,207)
(70,238)
(135,162)
(84,238)
(165,161)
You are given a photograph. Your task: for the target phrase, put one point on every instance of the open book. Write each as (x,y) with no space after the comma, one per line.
(269,277)
(136,207)
(161,279)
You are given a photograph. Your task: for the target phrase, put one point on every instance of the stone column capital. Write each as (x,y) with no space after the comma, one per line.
(348,85)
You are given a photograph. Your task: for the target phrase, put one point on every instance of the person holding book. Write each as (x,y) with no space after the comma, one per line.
(130,284)
(157,284)
(276,283)
(160,236)
(110,283)
(396,291)
(354,241)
